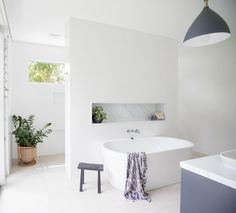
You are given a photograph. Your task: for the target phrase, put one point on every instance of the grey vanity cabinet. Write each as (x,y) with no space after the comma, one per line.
(202,195)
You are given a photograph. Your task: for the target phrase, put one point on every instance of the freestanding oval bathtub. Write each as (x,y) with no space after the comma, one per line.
(163,157)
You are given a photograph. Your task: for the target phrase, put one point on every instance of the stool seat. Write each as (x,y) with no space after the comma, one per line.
(90,166)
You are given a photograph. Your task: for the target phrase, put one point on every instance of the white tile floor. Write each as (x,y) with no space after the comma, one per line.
(45,188)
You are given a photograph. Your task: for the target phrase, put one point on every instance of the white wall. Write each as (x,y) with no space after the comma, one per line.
(33,98)
(207,96)
(115,65)
(2,145)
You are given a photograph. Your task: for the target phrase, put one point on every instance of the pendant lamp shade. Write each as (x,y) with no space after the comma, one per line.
(208,28)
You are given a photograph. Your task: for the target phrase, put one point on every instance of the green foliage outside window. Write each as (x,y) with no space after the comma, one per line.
(46,72)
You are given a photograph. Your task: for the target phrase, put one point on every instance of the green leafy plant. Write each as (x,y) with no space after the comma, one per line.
(46,72)
(26,134)
(98,114)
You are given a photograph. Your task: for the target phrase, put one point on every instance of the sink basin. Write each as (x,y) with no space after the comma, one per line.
(229,158)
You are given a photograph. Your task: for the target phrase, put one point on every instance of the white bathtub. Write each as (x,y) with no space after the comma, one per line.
(163,158)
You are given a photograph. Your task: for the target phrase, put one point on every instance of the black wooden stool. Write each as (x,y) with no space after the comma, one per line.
(90,166)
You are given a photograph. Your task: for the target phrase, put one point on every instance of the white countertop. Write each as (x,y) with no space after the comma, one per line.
(211,167)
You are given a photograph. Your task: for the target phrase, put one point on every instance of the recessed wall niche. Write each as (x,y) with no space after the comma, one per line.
(128,112)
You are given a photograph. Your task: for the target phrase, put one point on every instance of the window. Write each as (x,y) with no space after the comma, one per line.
(41,72)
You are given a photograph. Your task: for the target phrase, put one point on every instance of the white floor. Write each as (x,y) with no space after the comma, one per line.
(45,188)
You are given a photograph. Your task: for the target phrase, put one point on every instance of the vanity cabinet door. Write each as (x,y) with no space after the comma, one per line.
(203,195)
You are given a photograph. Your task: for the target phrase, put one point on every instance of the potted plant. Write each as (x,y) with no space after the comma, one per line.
(27,137)
(98,114)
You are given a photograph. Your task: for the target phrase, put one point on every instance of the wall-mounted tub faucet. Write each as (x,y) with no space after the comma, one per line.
(137,131)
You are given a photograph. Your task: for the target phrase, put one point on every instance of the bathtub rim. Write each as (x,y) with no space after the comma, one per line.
(189,144)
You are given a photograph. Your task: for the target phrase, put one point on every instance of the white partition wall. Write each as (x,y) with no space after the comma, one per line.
(115,65)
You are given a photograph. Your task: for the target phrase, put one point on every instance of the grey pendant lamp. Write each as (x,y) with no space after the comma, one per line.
(208,28)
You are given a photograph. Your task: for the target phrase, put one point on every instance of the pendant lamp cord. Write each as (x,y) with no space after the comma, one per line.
(205,3)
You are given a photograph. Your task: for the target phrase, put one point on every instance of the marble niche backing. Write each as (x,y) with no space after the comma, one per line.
(117,112)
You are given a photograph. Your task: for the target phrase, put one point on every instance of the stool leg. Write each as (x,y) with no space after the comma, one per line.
(99,182)
(81,180)
(83,177)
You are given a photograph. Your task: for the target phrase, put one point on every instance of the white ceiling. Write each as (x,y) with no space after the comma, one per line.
(34,20)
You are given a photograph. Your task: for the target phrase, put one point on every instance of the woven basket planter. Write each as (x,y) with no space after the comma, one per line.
(27,156)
